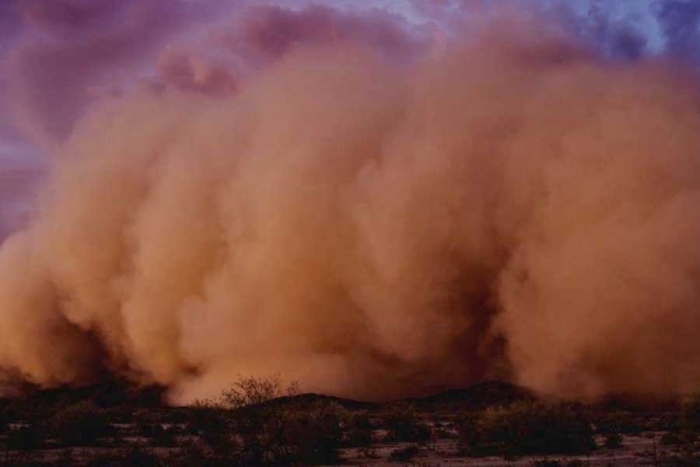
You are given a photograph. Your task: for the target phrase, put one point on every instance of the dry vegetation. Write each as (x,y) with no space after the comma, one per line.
(259,422)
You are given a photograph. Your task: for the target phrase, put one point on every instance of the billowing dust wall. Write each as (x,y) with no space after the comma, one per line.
(373,221)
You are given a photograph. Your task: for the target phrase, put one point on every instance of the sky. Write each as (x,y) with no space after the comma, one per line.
(59,56)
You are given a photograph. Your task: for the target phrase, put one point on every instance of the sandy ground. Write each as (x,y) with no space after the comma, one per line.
(643,450)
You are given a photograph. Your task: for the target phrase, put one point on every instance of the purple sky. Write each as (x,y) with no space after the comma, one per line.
(59,56)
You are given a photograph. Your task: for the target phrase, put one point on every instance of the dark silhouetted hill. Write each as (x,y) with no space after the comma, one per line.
(479,396)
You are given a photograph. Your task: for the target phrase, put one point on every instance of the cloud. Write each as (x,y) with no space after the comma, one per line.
(259,36)
(70,49)
(364,205)
(680,23)
(505,206)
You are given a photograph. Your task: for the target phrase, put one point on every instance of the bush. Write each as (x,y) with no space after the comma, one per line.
(613,440)
(253,429)
(527,428)
(20,459)
(24,437)
(194,454)
(158,434)
(209,423)
(691,415)
(247,392)
(260,428)
(557,463)
(404,425)
(368,452)
(81,424)
(444,430)
(617,421)
(671,439)
(404,454)
(546,463)
(281,435)
(130,458)
(358,431)
(314,438)
(683,459)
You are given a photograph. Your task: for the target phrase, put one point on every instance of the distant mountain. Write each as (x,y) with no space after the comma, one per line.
(107,394)
(115,394)
(309,400)
(476,397)
(479,396)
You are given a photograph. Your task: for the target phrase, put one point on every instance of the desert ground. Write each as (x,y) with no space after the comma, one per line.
(260,423)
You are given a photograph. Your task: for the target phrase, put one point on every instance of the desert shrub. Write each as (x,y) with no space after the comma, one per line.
(178,416)
(247,427)
(358,429)
(27,437)
(158,434)
(672,438)
(557,463)
(691,414)
(403,424)
(404,454)
(129,458)
(259,427)
(255,430)
(613,440)
(67,458)
(685,432)
(21,409)
(20,459)
(281,435)
(260,434)
(368,452)
(81,424)
(141,457)
(247,392)
(444,430)
(313,438)
(546,463)
(196,454)
(617,421)
(209,423)
(682,459)
(527,428)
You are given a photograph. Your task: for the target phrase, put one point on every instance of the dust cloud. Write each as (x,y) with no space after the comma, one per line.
(373,216)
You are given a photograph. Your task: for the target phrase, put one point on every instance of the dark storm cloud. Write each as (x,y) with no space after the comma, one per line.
(70,49)
(61,55)
(9,22)
(680,23)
